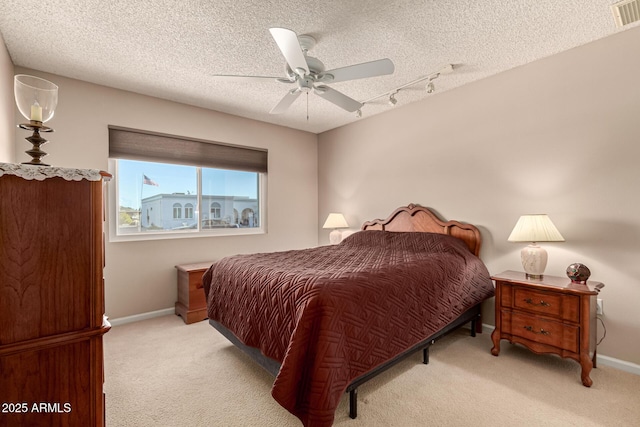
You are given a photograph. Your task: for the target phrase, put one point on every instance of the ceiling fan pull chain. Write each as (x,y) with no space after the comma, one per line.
(307,106)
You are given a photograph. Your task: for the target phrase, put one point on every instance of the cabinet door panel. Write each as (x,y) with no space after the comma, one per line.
(46,257)
(57,377)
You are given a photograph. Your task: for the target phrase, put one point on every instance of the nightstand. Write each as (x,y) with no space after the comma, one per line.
(548,315)
(191,304)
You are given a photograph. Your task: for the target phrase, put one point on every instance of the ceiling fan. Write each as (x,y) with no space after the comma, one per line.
(308,73)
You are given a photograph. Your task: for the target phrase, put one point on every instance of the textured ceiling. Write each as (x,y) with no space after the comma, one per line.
(170,49)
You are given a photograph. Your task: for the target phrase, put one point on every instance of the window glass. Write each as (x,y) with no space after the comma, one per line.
(228,192)
(160,198)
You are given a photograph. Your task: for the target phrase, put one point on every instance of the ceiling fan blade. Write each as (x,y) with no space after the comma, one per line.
(245,79)
(285,102)
(289,45)
(338,98)
(361,71)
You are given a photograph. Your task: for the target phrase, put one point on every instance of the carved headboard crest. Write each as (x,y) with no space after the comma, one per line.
(417,218)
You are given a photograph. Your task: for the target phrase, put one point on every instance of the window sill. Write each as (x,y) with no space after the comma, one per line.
(222,232)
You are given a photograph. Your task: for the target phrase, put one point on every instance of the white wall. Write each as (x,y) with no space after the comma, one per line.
(7,106)
(140,276)
(558,136)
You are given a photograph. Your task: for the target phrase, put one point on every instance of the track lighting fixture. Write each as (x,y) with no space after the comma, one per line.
(359,113)
(429,87)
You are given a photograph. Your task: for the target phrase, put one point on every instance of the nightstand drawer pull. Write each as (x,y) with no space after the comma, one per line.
(542,303)
(542,331)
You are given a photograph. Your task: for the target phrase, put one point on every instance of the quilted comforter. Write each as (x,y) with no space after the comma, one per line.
(332,313)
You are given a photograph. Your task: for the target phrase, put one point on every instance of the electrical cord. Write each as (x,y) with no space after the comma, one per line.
(604,328)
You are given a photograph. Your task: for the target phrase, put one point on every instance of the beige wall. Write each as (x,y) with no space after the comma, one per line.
(558,136)
(7,106)
(140,276)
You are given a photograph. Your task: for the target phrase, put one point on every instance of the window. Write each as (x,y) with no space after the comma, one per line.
(177,211)
(167,186)
(215,210)
(188,211)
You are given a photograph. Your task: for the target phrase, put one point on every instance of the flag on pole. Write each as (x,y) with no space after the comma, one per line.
(148,181)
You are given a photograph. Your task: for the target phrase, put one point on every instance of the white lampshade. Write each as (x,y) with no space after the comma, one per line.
(335,221)
(36,98)
(534,228)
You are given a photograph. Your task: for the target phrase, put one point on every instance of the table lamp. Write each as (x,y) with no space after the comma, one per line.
(335,221)
(534,228)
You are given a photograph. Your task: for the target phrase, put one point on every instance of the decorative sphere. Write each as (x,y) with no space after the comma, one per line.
(578,273)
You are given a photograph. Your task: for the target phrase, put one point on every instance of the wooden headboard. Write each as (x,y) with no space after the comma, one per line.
(418,218)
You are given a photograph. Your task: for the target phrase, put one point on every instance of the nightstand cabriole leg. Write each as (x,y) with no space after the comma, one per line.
(495,337)
(587,365)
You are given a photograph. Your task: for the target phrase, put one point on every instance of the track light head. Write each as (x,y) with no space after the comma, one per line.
(392,99)
(359,113)
(430,88)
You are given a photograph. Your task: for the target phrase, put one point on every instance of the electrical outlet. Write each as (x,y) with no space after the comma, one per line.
(599,306)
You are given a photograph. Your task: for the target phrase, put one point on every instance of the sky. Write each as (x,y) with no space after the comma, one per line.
(179,179)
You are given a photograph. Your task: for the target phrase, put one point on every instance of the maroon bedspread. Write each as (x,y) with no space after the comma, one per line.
(332,313)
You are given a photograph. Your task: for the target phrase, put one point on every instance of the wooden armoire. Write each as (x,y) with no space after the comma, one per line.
(51,296)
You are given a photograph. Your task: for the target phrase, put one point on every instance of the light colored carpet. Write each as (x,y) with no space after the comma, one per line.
(161,372)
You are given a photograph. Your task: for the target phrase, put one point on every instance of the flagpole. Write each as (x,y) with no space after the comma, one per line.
(140,215)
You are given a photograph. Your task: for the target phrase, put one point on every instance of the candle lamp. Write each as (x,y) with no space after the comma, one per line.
(36,99)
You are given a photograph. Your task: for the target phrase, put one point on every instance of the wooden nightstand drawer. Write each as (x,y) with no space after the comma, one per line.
(542,330)
(566,307)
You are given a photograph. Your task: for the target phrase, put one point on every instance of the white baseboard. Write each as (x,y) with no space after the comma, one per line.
(141,316)
(623,365)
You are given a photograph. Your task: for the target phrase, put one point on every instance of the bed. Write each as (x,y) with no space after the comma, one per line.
(325,320)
